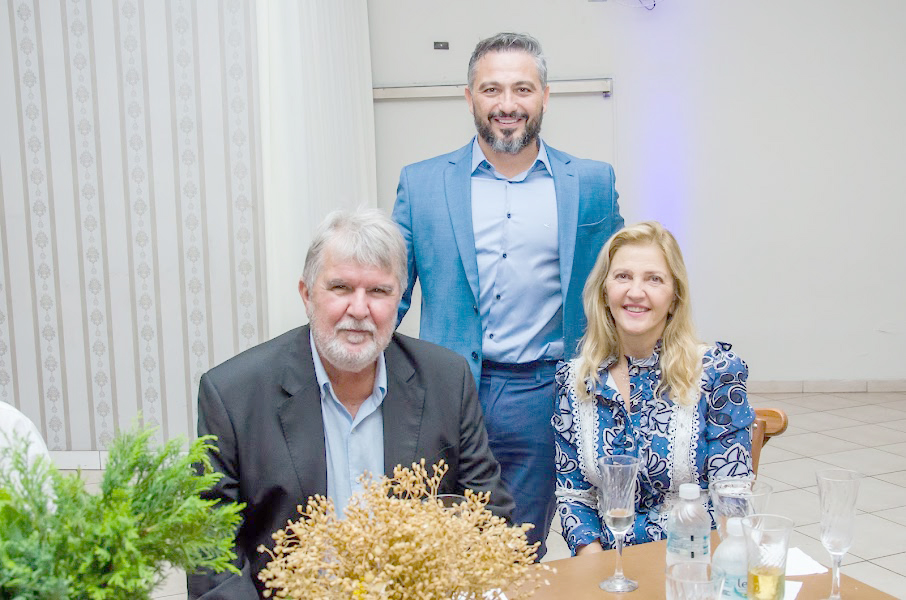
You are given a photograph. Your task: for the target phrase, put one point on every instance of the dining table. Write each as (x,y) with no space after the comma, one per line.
(577,578)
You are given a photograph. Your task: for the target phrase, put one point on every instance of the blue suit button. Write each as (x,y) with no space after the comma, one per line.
(475,355)
(475,308)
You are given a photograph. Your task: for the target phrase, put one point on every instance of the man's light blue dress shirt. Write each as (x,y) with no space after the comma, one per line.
(354,445)
(516,244)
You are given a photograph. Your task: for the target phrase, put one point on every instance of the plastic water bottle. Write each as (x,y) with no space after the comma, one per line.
(730,561)
(688,528)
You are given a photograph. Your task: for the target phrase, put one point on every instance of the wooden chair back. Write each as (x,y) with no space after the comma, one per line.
(769,422)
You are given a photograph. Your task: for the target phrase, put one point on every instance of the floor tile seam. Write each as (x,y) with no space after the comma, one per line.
(878,475)
(837,396)
(811,407)
(831,438)
(810,458)
(903,505)
(861,421)
(797,456)
(830,433)
(791,436)
(898,415)
(811,399)
(825,453)
(891,428)
(875,447)
(875,514)
(870,448)
(829,429)
(872,561)
(888,555)
(870,394)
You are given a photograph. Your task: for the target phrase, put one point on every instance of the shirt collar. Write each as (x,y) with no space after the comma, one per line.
(649,362)
(478,158)
(380,379)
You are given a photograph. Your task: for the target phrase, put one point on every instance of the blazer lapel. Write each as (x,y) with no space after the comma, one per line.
(566,186)
(301,419)
(403,408)
(458,189)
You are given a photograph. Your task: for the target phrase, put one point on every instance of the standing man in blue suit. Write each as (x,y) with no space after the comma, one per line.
(503,233)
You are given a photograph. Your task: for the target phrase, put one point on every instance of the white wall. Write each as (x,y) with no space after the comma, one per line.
(767,136)
(318,133)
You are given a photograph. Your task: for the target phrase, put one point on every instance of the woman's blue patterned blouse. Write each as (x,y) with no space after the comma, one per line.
(677,444)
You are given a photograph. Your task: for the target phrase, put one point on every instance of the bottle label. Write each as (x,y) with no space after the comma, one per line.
(689,547)
(735,587)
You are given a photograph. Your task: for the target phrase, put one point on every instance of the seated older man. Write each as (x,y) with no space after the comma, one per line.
(308,412)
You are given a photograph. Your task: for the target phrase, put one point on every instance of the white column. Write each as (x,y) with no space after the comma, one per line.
(317,131)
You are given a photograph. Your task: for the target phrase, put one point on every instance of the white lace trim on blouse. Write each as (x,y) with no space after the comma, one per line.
(585,419)
(682,444)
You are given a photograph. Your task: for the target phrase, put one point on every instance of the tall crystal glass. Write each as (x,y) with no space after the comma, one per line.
(837,493)
(617,503)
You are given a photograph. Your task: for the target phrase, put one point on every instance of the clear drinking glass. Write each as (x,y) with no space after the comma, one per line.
(693,581)
(737,497)
(617,504)
(837,493)
(767,542)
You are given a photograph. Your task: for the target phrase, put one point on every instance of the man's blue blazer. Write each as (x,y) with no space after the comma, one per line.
(434,211)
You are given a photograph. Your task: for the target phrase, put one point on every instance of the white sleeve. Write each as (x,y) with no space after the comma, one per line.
(13,424)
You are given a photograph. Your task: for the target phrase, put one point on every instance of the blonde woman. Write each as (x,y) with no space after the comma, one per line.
(643,385)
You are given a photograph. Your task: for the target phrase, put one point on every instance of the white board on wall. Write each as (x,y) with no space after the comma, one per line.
(411,129)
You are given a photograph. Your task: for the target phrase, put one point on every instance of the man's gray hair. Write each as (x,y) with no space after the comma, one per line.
(509,42)
(365,236)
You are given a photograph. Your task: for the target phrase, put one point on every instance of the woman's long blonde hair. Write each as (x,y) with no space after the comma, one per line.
(681,352)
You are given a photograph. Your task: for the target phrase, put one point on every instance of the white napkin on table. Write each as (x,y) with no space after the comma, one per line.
(791,590)
(800,563)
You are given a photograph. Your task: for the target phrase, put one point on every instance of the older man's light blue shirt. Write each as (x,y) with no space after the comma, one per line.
(354,445)
(516,244)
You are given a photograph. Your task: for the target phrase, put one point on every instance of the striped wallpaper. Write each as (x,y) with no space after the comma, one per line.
(130,217)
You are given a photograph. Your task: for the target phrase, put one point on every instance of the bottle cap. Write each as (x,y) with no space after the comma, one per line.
(689,491)
(734,526)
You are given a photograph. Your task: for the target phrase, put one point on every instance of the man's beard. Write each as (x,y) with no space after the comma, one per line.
(334,351)
(508,143)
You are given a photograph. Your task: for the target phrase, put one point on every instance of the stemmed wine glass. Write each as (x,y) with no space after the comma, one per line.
(617,504)
(837,492)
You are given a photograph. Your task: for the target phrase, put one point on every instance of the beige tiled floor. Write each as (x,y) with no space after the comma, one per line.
(863,431)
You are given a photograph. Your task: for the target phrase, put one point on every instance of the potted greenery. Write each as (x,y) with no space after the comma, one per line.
(60,541)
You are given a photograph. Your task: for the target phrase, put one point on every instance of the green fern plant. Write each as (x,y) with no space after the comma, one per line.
(58,541)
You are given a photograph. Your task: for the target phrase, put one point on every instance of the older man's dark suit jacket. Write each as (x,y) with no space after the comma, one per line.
(264,406)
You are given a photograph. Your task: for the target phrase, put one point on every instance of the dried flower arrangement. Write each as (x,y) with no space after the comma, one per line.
(399,542)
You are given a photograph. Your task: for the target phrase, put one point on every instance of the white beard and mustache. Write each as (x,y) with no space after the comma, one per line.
(337,353)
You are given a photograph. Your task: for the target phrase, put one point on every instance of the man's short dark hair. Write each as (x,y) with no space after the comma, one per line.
(509,42)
